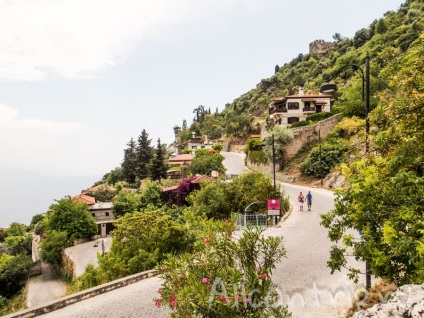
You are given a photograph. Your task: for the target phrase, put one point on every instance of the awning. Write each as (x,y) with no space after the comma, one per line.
(320,102)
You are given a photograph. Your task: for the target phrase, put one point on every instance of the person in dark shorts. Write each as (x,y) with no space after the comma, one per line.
(309,200)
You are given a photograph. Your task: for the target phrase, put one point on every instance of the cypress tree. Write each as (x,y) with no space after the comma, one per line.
(158,166)
(129,164)
(144,153)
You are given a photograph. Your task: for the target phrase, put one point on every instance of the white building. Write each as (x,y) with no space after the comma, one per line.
(293,108)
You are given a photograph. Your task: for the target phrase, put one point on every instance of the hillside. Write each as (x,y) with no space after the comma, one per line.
(385,40)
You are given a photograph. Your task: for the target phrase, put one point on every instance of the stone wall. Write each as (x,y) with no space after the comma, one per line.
(85,294)
(306,134)
(320,47)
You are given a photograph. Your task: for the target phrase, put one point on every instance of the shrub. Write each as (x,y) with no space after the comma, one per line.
(224,277)
(13,273)
(319,165)
(258,157)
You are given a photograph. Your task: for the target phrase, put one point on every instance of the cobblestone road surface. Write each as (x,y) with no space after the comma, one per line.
(132,301)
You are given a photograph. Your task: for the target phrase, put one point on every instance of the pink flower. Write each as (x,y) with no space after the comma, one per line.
(205,281)
(221,298)
(174,303)
(207,240)
(264,276)
(158,304)
(246,300)
(226,220)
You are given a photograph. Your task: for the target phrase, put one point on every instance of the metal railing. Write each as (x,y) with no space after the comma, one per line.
(258,220)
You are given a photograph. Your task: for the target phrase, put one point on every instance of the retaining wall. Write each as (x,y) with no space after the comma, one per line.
(85,294)
(306,134)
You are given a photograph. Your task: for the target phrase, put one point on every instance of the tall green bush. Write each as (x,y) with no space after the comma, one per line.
(319,162)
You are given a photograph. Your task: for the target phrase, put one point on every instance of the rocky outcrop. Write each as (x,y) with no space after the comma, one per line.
(407,301)
(334,180)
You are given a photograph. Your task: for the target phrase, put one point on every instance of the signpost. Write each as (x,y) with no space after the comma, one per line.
(274,207)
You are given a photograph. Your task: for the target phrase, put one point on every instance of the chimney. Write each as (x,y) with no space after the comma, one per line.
(301,91)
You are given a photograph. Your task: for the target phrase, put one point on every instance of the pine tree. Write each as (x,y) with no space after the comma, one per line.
(144,153)
(129,164)
(158,166)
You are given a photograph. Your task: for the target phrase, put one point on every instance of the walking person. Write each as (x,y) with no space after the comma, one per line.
(309,200)
(301,200)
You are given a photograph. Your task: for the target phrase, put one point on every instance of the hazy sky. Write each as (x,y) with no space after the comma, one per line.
(79,78)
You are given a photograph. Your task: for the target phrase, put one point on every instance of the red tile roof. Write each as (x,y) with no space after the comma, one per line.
(84,199)
(184,157)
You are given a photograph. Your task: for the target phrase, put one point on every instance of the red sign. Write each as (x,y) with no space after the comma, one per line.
(274,205)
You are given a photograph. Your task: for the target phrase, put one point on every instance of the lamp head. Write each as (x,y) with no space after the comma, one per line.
(328,88)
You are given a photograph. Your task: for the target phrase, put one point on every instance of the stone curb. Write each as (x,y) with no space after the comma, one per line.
(85,294)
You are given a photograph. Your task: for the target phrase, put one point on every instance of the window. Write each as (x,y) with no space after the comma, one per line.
(107,213)
(292,120)
(93,214)
(293,105)
(307,105)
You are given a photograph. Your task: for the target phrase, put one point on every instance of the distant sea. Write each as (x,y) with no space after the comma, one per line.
(21,197)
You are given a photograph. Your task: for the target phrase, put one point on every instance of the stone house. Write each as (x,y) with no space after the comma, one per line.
(102,212)
(293,108)
(196,142)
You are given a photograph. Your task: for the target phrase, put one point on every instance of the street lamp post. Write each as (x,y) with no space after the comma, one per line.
(273,161)
(330,88)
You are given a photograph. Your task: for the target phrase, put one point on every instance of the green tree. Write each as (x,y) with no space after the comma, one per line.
(224,277)
(282,136)
(16,229)
(141,239)
(114,176)
(126,202)
(159,166)
(144,155)
(73,218)
(37,218)
(205,161)
(103,194)
(13,273)
(53,245)
(384,201)
(150,194)
(129,164)
(218,200)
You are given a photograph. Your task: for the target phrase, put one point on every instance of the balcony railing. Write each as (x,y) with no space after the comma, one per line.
(309,109)
(277,110)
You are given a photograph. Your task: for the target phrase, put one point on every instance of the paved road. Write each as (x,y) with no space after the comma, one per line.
(234,163)
(303,274)
(45,288)
(303,278)
(86,253)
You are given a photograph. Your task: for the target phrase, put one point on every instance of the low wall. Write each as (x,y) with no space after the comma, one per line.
(85,294)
